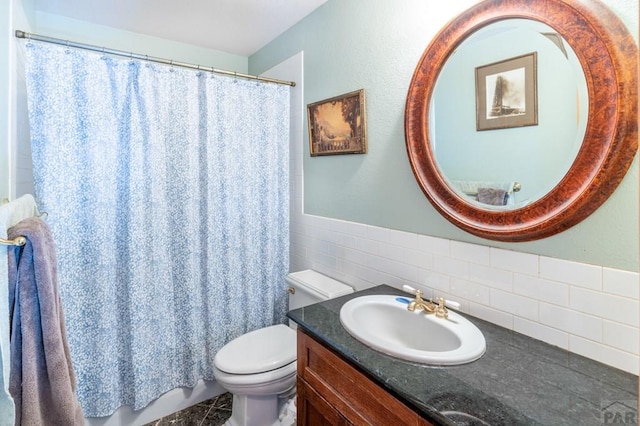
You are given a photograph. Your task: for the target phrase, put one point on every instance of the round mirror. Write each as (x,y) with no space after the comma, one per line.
(521,117)
(520,163)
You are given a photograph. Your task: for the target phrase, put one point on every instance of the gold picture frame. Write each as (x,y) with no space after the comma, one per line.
(506,93)
(338,125)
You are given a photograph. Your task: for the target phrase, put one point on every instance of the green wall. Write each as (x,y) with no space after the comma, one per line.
(354,44)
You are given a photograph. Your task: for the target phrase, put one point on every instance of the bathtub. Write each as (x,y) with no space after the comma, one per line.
(170,402)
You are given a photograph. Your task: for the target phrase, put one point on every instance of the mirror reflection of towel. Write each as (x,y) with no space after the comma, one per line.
(493,196)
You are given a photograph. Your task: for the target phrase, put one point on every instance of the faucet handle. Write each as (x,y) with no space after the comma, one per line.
(452,305)
(441,311)
(415,292)
(409,289)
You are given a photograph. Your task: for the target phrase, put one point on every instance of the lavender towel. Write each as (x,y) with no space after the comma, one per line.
(493,196)
(42,382)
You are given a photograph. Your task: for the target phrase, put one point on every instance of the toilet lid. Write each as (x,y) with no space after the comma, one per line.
(258,351)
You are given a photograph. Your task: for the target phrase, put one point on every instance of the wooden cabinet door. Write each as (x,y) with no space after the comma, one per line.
(314,410)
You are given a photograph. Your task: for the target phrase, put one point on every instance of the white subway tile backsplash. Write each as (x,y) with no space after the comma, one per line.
(322,262)
(402,270)
(357,256)
(472,253)
(538,331)
(586,309)
(377,263)
(378,234)
(468,290)
(454,267)
(605,354)
(615,308)
(514,261)
(434,280)
(420,259)
(494,316)
(491,277)
(622,283)
(391,252)
(368,246)
(403,239)
(318,246)
(384,278)
(364,274)
(427,292)
(357,229)
(579,274)
(540,289)
(514,304)
(573,322)
(620,336)
(416,258)
(316,221)
(329,236)
(334,225)
(434,245)
(336,250)
(348,241)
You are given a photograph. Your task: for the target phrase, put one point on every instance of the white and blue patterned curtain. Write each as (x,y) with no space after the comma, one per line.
(167,195)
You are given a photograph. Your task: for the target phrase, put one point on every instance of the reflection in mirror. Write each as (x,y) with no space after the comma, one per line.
(608,57)
(508,168)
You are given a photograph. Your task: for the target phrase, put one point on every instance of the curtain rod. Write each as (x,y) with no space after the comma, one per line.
(46,39)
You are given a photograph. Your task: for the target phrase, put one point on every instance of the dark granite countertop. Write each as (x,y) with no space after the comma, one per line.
(518,381)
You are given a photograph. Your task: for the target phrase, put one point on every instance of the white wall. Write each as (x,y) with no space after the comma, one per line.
(15,160)
(587,309)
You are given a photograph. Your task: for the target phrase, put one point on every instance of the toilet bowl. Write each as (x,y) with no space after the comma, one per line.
(259,367)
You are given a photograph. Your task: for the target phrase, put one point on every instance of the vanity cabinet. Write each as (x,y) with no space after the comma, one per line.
(332,392)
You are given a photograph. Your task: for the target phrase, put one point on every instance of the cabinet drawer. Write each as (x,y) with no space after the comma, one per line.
(354,395)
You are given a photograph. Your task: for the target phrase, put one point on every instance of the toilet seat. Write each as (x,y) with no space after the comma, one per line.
(258,351)
(277,381)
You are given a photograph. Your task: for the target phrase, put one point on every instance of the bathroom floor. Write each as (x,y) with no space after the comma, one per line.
(213,412)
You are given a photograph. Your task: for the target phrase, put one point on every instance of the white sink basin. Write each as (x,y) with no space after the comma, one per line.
(384,324)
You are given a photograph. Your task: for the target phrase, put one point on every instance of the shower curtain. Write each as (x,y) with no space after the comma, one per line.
(167,195)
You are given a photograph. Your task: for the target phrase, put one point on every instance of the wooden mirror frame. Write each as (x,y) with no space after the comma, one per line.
(609,59)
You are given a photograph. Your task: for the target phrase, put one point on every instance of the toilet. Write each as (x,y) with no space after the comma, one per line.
(259,367)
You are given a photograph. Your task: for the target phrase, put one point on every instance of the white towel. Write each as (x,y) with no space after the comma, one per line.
(10,214)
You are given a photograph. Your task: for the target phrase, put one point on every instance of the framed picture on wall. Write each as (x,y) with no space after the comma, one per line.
(506,93)
(337,125)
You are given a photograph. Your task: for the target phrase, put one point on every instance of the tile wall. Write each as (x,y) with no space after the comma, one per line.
(586,309)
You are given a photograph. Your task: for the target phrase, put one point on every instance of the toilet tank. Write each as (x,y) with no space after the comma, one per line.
(308,286)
